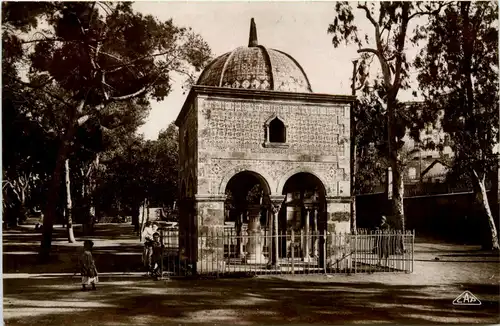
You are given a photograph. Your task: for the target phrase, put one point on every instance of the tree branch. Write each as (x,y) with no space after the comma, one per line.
(369,50)
(44,90)
(132,95)
(42,40)
(430,12)
(400,43)
(368,15)
(131,62)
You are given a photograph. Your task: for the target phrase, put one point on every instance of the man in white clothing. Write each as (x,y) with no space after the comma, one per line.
(147,239)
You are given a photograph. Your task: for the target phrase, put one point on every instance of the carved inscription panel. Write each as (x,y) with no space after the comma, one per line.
(239,125)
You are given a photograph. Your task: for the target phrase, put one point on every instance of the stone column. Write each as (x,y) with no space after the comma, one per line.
(275,204)
(254,245)
(239,235)
(305,249)
(315,233)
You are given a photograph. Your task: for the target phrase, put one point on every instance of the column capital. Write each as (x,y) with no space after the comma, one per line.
(276,201)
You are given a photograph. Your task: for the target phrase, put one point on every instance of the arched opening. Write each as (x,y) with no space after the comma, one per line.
(245,190)
(246,214)
(277,131)
(304,214)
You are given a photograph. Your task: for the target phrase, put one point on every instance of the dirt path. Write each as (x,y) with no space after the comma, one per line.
(425,296)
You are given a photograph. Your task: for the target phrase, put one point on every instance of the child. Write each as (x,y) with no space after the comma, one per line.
(156,256)
(87,266)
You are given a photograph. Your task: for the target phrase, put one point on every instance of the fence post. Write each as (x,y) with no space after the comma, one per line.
(162,253)
(217,249)
(354,237)
(323,253)
(412,249)
(292,248)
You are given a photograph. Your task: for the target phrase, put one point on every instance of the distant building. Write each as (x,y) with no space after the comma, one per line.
(426,169)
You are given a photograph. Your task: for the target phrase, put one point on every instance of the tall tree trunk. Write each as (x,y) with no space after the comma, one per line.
(398,191)
(52,198)
(482,198)
(69,203)
(55,182)
(90,193)
(88,187)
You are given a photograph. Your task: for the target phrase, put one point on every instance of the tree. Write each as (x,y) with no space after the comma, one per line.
(29,148)
(165,171)
(96,54)
(459,77)
(141,171)
(389,22)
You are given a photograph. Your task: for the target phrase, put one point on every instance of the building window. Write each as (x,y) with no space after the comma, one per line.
(277,131)
(412,173)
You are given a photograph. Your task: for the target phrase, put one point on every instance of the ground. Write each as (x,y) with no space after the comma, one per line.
(49,294)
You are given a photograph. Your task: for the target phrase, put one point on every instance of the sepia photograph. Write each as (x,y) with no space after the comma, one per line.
(250,163)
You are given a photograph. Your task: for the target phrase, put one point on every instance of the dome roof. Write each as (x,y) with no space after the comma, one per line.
(256,67)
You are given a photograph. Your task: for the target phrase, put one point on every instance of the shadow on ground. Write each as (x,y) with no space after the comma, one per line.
(424,296)
(240,301)
(117,249)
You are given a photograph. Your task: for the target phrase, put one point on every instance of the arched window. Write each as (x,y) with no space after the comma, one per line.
(277,131)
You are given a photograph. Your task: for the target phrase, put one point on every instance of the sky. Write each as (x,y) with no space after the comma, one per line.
(297,28)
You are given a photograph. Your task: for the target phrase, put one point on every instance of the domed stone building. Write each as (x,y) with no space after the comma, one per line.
(259,150)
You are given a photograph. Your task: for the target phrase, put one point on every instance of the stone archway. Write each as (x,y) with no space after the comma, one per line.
(301,169)
(304,213)
(246,192)
(228,174)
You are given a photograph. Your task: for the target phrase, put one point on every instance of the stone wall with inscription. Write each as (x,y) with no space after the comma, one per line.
(312,129)
(231,137)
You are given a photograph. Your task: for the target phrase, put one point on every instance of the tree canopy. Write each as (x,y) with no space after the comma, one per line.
(458,77)
(97,65)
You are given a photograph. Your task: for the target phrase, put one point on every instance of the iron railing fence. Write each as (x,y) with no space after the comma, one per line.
(229,252)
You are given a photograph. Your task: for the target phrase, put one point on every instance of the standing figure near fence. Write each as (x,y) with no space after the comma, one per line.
(147,238)
(87,266)
(157,256)
(382,242)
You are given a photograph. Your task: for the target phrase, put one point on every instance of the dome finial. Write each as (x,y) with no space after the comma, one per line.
(252,41)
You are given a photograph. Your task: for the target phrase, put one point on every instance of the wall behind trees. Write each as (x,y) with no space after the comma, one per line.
(451,217)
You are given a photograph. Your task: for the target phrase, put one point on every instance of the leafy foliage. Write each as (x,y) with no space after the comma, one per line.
(139,170)
(93,67)
(459,77)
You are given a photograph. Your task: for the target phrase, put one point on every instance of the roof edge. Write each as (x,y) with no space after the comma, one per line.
(258,94)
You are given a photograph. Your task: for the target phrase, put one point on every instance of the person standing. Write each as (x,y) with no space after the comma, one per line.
(147,239)
(87,266)
(157,256)
(383,244)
